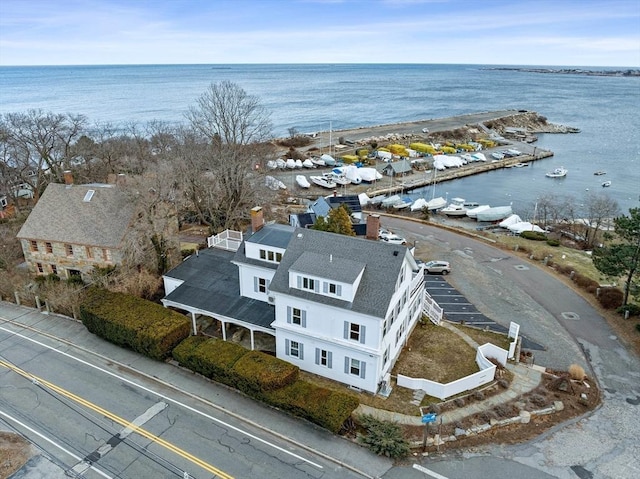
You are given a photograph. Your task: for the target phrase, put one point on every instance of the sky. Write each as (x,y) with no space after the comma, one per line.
(602,33)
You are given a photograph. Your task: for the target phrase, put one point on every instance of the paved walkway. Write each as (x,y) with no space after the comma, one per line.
(525,379)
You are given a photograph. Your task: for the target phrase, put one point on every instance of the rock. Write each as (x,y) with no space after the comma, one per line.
(558,405)
(525,417)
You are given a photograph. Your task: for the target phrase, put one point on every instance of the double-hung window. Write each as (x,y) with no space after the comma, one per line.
(294,349)
(354,332)
(354,367)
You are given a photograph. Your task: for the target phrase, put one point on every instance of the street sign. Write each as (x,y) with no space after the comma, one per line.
(427,418)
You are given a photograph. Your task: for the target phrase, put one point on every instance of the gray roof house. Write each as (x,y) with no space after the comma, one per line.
(338,306)
(73,228)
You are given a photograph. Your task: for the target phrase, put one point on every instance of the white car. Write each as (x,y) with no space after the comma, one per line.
(383,233)
(394,239)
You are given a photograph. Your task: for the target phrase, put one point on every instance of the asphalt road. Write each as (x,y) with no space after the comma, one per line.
(603,445)
(97,417)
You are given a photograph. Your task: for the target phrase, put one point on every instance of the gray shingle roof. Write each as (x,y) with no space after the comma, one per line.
(211,283)
(382,266)
(62,216)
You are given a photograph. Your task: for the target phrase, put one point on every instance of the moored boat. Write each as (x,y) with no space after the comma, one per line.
(600,173)
(559,172)
(606,184)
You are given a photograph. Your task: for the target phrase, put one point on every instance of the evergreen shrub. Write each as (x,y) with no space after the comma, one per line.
(213,358)
(533,235)
(257,372)
(610,298)
(134,323)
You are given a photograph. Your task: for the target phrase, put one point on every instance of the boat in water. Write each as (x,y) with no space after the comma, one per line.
(559,172)
(600,173)
(606,184)
(302,181)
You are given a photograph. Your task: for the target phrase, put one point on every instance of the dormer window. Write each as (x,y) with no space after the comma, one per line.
(273,256)
(308,283)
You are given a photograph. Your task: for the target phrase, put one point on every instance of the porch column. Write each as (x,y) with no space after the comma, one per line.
(224,330)
(252,340)
(193,323)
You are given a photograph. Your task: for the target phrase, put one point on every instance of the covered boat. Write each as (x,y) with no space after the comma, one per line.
(302,181)
(351,172)
(494,214)
(308,163)
(369,174)
(473,212)
(436,203)
(418,204)
(524,226)
(328,160)
(290,163)
(391,201)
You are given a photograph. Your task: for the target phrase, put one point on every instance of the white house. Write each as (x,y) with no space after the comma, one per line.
(340,307)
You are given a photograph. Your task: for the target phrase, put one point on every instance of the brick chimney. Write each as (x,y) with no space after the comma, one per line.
(68,178)
(373,226)
(257,218)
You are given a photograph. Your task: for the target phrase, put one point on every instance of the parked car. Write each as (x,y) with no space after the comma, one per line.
(431,267)
(394,239)
(383,233)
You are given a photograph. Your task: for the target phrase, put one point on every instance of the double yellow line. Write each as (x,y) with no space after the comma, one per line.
(123,422)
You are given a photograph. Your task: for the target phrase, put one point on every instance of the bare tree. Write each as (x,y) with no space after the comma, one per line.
(598,209)
(38,146)
(226,114)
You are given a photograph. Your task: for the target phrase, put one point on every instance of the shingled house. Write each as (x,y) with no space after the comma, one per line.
(74,228)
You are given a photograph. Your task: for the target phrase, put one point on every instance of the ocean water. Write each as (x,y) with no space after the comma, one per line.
(313,97)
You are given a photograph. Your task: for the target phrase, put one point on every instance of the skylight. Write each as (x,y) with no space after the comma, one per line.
(88,196)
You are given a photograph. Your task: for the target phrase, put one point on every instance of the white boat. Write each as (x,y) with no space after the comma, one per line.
(600,173)
(418,204)
(514,152)
(467,157)
(280,163)
(274,183)
(473,212)
(494,214)
(510,220)
(328,160)
(436,203)
(518,228)
(302,181)
(479,157)
(455,208)
(318,162)
(323,181)
(497,155)
(290,163)
(404,202)
(377,200)
(272,164)
(369,174)
(352,174)
(308,163)
(559,172)
(606,184)
(391,201)
(338,178)
(298,163)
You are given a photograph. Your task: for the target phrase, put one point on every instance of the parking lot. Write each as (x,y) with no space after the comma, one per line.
(458,309)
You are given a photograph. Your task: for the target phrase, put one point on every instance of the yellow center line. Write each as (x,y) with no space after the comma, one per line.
(123,422)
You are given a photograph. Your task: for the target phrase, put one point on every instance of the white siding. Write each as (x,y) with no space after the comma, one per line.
(170,284)
(248,275)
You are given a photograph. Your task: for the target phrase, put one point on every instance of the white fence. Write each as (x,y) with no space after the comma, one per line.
(432,309)
(484,376)
(514,330)
(228,239)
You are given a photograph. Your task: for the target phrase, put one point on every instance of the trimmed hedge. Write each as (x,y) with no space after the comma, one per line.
(134,323)
(533,235)
(258,372)
(322,406)
(266,378)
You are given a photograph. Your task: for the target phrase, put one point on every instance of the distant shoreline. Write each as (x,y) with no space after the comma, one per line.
(573,71)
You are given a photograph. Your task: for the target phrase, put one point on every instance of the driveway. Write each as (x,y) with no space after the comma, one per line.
(507,288)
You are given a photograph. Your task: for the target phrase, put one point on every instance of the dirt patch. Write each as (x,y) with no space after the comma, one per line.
(14,453)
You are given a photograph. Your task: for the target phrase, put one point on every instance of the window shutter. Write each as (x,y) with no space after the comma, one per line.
(299,282)
(286,347)
(346,330)
(317,355)
(329,358)
(362,331)
(255,284)
(346,365)
(304,319)
(288,314)
(339,290)
(325,287)
(363,367)
(301,351)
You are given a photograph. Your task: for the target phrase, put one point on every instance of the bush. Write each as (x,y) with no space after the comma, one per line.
(576,372)
(186,252)
(478,395)
(533,235)
(634,309)
(586,283)
(213,358)
(134,323)
(553,242)
(257,372)
(610,298)
(384,438)
(538,400)
(322,406)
